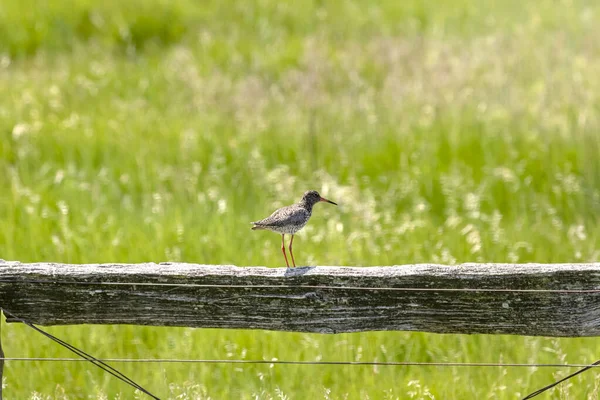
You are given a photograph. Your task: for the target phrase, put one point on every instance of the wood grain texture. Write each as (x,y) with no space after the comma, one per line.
(310,299)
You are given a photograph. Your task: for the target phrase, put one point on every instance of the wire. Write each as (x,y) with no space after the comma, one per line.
(87,357)
(401,289)
(292,362)
(542,390)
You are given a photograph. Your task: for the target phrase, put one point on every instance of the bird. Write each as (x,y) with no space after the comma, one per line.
(290,219)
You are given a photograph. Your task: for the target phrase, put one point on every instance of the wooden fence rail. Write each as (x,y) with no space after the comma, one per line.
(521,299)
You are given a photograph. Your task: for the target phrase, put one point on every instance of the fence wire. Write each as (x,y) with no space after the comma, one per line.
(293,362)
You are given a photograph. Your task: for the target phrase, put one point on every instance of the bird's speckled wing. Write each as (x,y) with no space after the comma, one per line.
(286,216)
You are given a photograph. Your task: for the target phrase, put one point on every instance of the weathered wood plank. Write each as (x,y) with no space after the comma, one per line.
(310,299)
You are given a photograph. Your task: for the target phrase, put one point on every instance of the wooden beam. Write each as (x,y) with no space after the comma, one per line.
(521,299)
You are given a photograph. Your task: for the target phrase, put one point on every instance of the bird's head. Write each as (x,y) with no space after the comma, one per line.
(312,197)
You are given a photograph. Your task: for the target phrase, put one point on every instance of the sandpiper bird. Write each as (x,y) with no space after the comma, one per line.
(291,219)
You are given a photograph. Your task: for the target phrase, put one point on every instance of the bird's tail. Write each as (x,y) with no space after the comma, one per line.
(257,227)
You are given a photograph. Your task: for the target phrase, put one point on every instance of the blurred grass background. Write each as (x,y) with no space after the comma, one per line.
(157,130)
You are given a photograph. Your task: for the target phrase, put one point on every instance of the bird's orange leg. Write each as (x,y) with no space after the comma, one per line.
(292,254)
(283,249)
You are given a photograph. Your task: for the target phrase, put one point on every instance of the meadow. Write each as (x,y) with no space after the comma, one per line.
(154,130)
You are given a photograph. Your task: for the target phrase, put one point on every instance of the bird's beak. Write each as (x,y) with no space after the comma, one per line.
(328,201)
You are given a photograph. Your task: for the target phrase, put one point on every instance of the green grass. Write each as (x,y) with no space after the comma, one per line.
(156,131)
